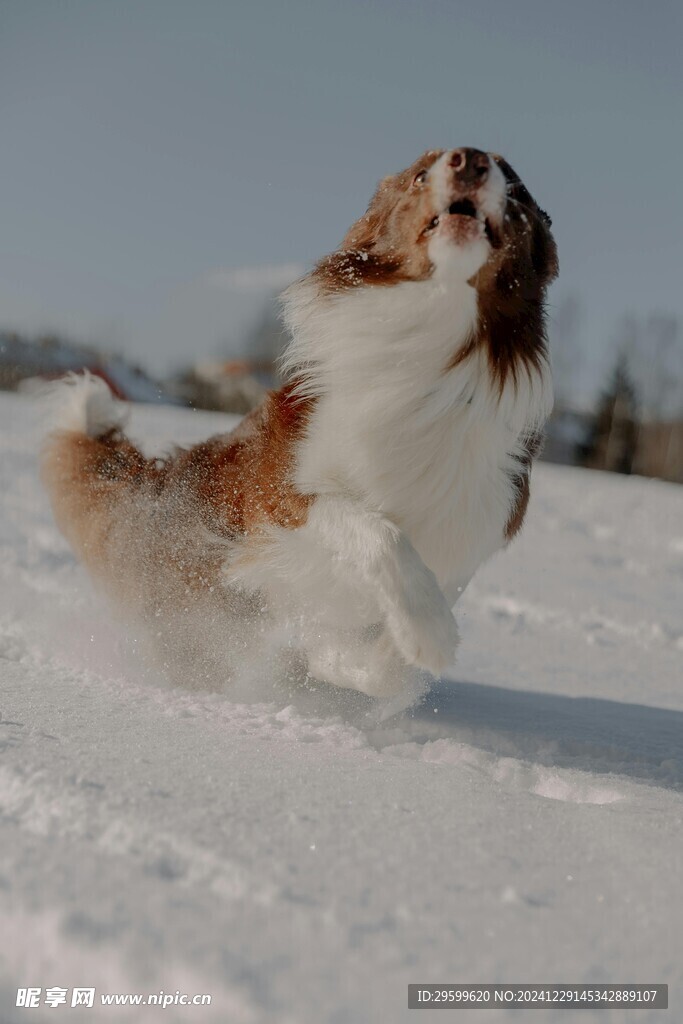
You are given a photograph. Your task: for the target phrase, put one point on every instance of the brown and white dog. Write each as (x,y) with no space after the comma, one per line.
(350,510)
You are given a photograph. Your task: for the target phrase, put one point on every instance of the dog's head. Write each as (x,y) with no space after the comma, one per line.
(456,217)
(452,211)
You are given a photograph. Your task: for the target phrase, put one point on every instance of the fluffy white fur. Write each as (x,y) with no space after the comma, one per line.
(82,403)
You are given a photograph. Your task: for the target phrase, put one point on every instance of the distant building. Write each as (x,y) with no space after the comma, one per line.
(659,450)
(50,357)
(234,386)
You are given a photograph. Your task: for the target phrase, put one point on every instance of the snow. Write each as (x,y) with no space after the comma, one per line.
(301,860)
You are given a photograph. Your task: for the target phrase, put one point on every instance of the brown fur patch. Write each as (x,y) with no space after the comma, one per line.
(83,476)
(511,288)
(514,283)
(243,481)
(532,447)
(233,484)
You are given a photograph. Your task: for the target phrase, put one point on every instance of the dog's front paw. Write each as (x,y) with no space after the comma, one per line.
(426,633)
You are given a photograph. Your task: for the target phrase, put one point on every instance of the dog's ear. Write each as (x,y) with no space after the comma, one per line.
(363,234)
(544,250)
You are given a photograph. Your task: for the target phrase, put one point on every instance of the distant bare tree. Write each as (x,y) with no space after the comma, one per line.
(653,347)
(613,439)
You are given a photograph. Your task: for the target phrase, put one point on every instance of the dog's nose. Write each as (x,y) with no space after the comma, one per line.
(471,166)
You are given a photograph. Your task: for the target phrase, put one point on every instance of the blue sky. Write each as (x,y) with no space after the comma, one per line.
(152,147)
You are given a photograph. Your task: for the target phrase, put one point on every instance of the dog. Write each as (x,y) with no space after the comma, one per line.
(346,514)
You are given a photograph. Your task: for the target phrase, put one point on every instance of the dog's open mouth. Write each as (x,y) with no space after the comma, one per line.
(463,207)
(466,208)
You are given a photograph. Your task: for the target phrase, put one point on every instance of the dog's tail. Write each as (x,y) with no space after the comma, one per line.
(82,403)
(88,466)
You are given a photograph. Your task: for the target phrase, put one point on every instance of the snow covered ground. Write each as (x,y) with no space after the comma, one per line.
(299,860)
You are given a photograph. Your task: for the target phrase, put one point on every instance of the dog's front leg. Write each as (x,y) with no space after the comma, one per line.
(416,612)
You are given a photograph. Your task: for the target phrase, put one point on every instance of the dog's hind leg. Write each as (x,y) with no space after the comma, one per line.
(90,469)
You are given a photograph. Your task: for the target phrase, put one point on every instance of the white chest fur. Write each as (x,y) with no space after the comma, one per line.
(394,428)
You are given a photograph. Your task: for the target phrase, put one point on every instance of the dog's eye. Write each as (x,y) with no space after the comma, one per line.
(420,178)
(432,224)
